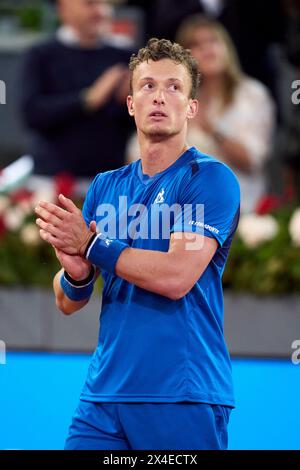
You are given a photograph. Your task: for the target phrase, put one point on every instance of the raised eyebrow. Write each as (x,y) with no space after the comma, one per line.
(172,80)
(146,79)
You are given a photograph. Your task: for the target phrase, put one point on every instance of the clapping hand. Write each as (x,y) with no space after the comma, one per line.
(66,230)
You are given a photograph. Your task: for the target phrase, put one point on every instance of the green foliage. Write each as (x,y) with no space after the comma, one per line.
(31,17)
(26,265)
(29,13)
(272,268)
(29,265)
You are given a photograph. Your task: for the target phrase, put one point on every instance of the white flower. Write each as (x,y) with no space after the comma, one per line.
(4,203)
(13,218)
(294,227)
(30,235)
(47,194)
(257,229)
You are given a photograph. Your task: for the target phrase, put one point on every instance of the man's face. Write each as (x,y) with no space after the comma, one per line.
(86,16)
(160,100)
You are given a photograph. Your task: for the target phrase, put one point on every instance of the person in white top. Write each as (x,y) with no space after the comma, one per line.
(236,116)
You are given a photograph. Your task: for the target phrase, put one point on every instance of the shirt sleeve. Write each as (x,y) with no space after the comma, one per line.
(209,202)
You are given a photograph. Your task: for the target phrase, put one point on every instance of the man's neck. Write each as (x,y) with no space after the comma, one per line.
(89,41)
(157,156)
(71,36)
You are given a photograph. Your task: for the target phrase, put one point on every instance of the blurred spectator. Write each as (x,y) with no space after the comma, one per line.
(73,94)
(236,114)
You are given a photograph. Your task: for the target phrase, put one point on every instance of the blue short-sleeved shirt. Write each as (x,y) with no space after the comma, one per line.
(151,348)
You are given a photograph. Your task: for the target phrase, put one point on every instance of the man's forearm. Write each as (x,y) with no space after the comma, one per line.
(64,304)
(155,271)
(171,274)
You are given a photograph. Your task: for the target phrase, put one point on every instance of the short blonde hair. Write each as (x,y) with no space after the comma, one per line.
(158,49)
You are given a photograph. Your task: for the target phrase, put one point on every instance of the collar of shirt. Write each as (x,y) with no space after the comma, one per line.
(69,37)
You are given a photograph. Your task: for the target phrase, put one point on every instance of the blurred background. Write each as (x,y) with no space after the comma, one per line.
(63,119)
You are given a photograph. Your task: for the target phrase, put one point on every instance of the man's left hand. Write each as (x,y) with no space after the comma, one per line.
(65,229)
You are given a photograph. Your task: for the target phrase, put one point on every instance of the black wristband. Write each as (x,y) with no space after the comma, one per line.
(89,244)
(83,282)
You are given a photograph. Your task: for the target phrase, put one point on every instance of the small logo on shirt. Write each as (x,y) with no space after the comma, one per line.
(203,225)
(160,197)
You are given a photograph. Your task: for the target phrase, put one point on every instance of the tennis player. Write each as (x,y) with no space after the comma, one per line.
(160,377)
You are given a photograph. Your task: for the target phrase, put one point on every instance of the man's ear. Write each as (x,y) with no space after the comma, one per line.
(192,109)
(130,105)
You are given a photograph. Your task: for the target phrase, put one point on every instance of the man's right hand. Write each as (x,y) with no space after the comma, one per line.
(78,268)
(101,90)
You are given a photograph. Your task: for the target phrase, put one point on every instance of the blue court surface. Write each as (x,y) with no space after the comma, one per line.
(39,391)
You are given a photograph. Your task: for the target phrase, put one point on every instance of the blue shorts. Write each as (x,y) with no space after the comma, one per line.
(148,426)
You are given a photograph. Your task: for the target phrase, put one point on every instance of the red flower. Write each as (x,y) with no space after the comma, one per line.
(21,195)
(2,227)
(64,184)
(267,204)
